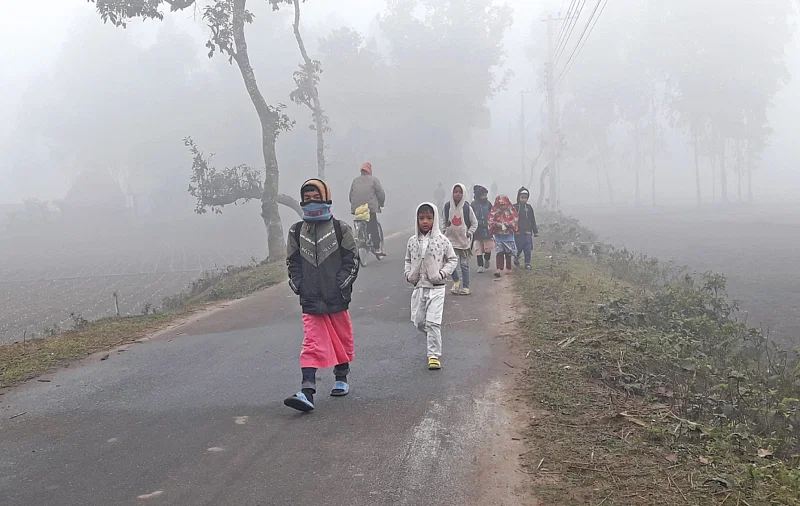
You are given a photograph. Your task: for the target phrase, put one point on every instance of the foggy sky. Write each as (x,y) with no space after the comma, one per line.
(37,32)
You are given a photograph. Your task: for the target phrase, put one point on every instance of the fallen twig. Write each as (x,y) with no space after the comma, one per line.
(461,321)
(679,488)
(17,415)
(509,365)
(540,464)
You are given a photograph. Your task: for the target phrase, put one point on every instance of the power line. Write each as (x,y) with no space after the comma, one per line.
(569,35)
(582,41)
(567,19)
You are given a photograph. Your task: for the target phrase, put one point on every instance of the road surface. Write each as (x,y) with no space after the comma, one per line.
(195,415)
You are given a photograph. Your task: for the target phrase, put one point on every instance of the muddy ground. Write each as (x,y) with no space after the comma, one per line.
(756,246)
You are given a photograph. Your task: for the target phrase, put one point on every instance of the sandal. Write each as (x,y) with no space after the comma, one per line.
(340,389)
(300,402)
(434,364)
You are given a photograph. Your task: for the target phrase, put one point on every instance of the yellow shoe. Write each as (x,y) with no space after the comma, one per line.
(465,291)
(456,288)
(434,364)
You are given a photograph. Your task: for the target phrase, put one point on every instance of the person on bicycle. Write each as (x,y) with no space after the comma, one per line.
(367,189)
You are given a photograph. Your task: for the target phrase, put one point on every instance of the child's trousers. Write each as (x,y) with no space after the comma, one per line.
(463,265)
(503,261)
(524,246)
(427,307)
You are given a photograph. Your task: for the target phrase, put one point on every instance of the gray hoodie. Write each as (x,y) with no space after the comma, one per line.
(429,265)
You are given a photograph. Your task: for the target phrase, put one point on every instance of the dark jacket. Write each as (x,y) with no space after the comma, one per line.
(322,269)
(482,209)
(527,220)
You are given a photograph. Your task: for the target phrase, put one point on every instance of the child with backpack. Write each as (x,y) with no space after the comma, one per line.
(430,259)
(527,229)
(503,223)
(459,226)
(322,273)
(483,241)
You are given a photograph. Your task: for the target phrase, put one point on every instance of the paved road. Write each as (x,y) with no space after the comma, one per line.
(195,416)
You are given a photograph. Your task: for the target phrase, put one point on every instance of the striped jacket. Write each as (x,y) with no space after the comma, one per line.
(323,265)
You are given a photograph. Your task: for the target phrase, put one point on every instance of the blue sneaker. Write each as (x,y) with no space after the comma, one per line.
(300,402)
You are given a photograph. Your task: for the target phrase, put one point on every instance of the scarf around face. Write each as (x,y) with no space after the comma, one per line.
(317,211)
(504,219)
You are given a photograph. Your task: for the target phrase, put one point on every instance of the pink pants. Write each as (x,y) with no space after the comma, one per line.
(328,340)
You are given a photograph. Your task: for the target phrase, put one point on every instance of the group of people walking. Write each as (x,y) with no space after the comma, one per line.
(322,260)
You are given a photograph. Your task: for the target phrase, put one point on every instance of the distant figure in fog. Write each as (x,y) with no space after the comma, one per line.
(494,191)
(322,272)
(430,259)
(527,228)
(503,223)
(439,195)
(482,241)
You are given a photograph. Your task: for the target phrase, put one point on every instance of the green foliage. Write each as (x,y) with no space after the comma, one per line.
(215,189)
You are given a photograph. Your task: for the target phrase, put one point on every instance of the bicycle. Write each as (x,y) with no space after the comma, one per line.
(362,239)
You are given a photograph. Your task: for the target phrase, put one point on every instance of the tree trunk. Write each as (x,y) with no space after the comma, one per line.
(636,162)
(723,176)
(697,170)
(316,106)
(655,139)
(542,180)
(749,173)
(599,183)
(739,169)
(269,125)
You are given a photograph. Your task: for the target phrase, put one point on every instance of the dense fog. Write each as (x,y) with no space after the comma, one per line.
(666,103)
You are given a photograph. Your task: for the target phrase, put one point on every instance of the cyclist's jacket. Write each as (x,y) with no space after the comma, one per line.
(366,189)
(323,265)
(429,259)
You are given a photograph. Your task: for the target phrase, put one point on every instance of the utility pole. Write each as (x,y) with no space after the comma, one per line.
(552,122)
(523,153)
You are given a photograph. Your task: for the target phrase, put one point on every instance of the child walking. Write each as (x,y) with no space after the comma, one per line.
(322,272)
(503,223)
(483,241)
(527,228)
(430,259)
(459,225)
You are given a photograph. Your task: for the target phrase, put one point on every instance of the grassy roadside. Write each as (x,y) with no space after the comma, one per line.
(23,361)
(642,387)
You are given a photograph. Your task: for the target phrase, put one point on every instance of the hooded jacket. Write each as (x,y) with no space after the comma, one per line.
(504,220)
(367,189)
(429,267)
(456,227)
(482,209)
(322,269)
(527,219)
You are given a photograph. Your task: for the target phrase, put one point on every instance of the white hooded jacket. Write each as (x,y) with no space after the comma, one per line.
(456,227)
(429,259)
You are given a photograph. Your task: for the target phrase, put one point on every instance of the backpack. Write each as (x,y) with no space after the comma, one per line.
(467,214)
(337,228)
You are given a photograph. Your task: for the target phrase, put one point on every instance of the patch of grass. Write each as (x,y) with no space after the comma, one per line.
(644,388)
(23,361)
(228,284)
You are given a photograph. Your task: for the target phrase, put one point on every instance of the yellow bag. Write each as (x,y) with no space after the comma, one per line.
(362,213)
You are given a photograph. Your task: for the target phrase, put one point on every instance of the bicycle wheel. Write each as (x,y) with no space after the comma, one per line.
(380,233)
(361,243)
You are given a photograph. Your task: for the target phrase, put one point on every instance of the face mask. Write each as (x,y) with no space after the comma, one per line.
(317,211)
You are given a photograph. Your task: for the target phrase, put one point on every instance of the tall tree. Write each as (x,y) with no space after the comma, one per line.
(307,80)
(226,20)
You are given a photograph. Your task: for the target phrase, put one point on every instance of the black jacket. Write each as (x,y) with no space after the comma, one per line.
(323,265)
(482,208)
(527,220)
